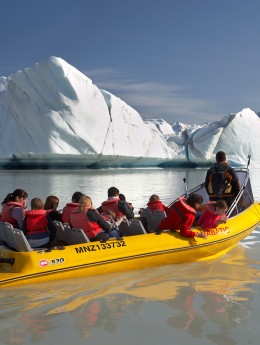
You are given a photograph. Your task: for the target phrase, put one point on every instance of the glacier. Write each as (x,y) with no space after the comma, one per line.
(53,116)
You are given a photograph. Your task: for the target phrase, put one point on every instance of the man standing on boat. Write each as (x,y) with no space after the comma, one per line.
(221,181)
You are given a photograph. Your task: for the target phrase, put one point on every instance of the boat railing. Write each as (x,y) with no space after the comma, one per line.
(243,199)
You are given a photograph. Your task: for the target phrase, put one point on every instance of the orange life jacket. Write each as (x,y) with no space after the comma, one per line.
(6,214)
(67,210)
(112,204)
(36,221)
(80,220)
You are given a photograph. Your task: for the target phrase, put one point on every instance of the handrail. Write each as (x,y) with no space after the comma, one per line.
(9,261)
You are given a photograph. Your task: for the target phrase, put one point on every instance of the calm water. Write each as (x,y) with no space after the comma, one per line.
(212,302)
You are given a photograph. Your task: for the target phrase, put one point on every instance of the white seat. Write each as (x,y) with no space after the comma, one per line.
(15,238)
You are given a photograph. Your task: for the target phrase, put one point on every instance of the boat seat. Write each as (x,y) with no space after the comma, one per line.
(69,235)
(3,238)
(131,227)
(158,216)
(15,238)
(152,218)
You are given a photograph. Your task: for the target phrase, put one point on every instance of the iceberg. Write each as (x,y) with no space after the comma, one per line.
(53,116)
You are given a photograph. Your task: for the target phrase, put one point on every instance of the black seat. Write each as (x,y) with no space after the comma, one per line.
(68,235)
(152,218)
(131,227)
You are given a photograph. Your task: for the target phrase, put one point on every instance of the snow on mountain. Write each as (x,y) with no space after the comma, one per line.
(52,115)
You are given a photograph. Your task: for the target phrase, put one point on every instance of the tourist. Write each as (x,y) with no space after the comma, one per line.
(181,215)
(70,207)
(147,215)
(122,197)
(221,181)
(156,204)
(51,205)
(214,214)
(35,225)
(14,206)
(119,207)
(90,221)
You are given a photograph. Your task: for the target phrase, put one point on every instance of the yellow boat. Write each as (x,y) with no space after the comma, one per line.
(130,252)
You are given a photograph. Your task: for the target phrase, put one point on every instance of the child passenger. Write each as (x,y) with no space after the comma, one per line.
(51,206)
(214,214)
(90,221)
(35,225)
(156,204)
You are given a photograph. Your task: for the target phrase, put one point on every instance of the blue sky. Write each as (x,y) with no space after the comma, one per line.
(191,61)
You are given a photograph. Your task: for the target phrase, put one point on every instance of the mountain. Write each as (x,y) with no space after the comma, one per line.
(52,115)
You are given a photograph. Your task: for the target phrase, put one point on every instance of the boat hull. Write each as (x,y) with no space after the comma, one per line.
(131,253)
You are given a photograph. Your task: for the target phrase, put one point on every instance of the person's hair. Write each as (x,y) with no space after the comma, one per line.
(112,191)
(51,202)
(84,202)
(20,193)
(76,196)
(194,199)
(121,196)
(37,204)
(221,204)
(154,197)
(220,156)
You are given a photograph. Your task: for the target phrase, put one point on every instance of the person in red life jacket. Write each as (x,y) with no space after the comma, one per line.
(51,204)
(14,206)
(181,215)
(221,180)
(156,204)
(214,214)
(71,206)
(35,225)
(90,221)
(113,203)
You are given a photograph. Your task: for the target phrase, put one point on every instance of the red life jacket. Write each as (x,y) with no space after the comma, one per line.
(67,210)
(156,205)
(6,214)
(80,220)
(36,221)
(112,204)
(180,216)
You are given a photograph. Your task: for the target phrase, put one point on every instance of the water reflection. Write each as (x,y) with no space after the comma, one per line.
(201,299)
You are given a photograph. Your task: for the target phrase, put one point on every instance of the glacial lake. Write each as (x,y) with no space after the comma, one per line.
(211,302)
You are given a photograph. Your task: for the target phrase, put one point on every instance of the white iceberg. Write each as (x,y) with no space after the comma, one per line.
(52,115)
